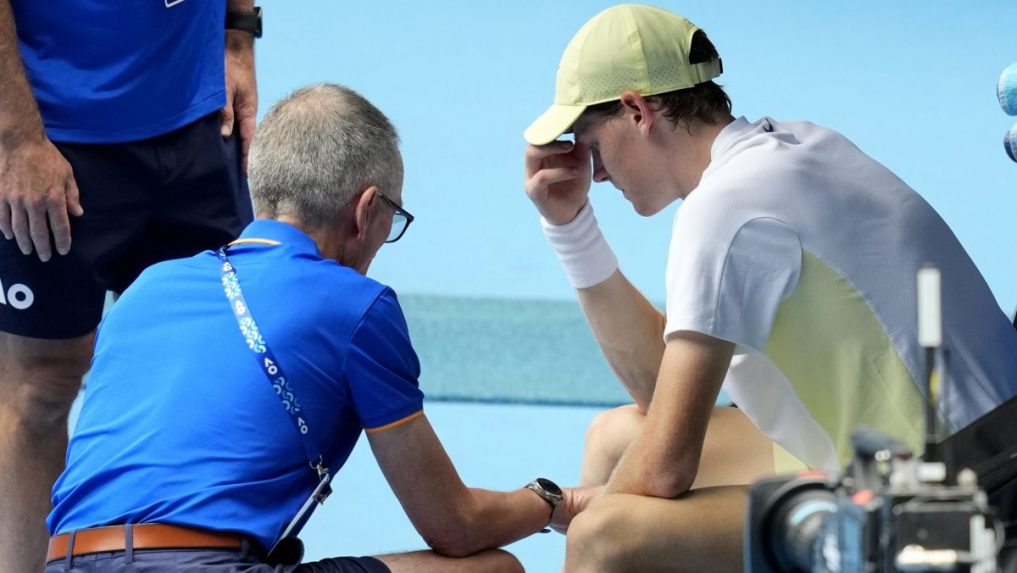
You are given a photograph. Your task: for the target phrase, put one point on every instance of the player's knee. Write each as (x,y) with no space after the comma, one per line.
(504,562)
(25,358)
(45,403)
(598,429)
(602,435)
(595,540)
(42,378)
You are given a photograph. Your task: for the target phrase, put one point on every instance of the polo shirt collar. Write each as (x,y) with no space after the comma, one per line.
(732,133)
(729,139)
(284,233)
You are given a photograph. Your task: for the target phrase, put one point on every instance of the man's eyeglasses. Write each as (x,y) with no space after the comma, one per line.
(400,220)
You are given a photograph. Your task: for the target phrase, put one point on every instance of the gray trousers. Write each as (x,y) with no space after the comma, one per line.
(203,561)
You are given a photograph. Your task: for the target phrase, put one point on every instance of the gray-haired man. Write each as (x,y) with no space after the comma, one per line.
(227,387)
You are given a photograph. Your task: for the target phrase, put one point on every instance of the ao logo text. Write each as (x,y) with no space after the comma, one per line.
(18,296)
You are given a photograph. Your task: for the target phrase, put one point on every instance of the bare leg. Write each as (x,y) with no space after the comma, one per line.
(490,561)
(38,381)
(699,531)
(734,452)
(607,438)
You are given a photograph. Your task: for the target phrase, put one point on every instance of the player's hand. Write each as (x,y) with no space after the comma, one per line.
(241,109)
(557,179)
(575,501)
(37,193)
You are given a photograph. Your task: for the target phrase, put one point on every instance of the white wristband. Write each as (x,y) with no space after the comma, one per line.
(582,249)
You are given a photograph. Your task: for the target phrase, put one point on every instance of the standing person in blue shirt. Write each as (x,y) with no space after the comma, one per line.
(182,434)
(123,132)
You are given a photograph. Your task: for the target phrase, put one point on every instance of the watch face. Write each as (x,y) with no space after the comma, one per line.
(549,486)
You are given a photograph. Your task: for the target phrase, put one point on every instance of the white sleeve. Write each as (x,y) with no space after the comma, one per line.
(732,289)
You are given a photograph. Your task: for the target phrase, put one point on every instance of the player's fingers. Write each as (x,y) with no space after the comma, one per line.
(59,223)
(534,156)
(20,228)
(5,220)
(541,180)
(226,119)
(247,126)
(74,198)
(39,212)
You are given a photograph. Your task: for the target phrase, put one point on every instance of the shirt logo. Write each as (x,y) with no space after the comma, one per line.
(18,297)
(172,3)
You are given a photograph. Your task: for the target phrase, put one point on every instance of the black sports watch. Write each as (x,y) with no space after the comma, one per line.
(549,492)
(246,21)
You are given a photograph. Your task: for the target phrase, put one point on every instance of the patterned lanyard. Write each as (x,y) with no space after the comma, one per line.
(269,364)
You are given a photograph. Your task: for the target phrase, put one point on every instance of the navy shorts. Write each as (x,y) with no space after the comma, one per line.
(146,201)
(204,560)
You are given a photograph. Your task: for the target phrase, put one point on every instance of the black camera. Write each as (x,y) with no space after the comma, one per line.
(889,512)
(955,510)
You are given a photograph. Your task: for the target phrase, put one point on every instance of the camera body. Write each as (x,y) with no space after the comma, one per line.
(888,512)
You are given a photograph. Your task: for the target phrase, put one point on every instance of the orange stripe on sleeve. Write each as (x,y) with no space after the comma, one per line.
(397,423)
(256,241)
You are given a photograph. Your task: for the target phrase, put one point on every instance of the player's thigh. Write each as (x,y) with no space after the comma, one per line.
(615,429)
(735,451)
(492,561)
(699,531)
(612,431)
(40,378)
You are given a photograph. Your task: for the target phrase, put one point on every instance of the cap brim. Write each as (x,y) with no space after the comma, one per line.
(554,122)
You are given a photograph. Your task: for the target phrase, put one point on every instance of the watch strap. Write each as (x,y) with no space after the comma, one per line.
(552,499)
(246,21)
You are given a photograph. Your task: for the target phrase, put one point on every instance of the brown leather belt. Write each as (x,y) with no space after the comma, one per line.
(146,536)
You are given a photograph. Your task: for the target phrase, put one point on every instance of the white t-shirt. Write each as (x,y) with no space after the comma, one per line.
(804,251)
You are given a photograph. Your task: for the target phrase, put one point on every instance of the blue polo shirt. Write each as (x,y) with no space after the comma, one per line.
(179,423)
(108,71)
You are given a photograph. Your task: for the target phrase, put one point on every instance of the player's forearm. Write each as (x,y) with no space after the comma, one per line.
(664,460)
(627,327)
(652,468)
(629,330)
(19,113)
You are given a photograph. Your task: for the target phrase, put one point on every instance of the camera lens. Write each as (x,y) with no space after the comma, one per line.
(797,523)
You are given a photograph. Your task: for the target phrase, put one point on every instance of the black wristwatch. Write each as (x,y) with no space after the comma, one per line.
(549,492)
(246,21)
